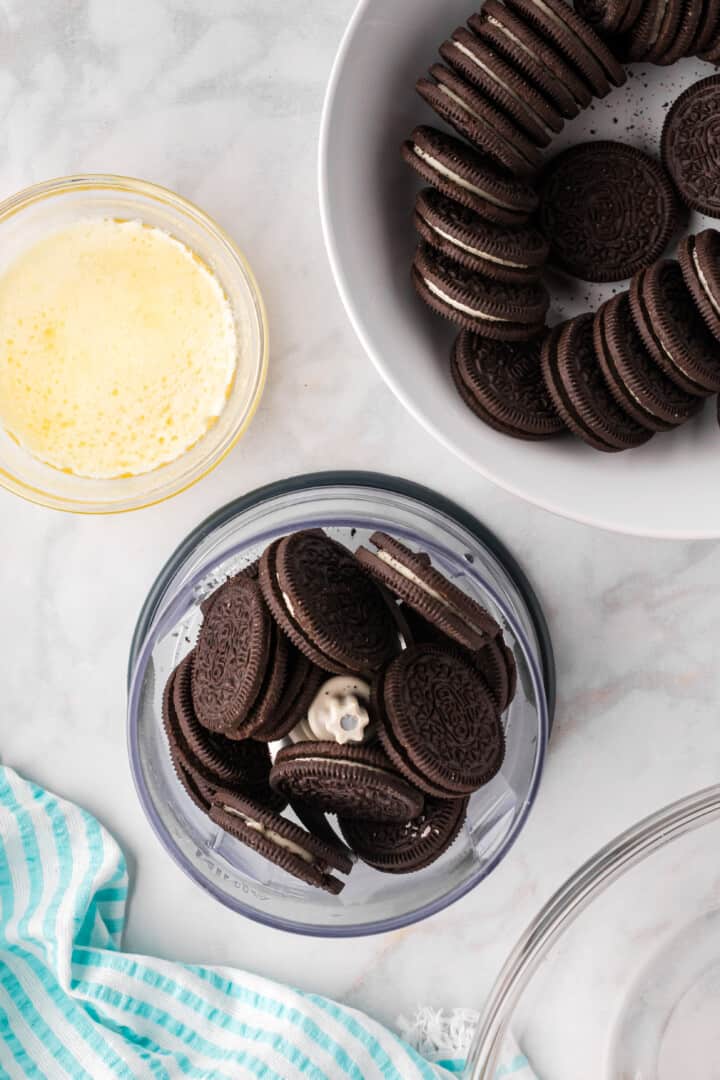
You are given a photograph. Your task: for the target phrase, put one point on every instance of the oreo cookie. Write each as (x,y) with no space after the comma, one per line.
(515,255)
(707,35)
(204,761)
(412,578)
(231,656)
(575,39)
(502,383)
(469,178)
(579,392)
(610,17)
(402,848)
(682,44)
(351,781)
(533,56)
(306,857)
(699,258)
(492,308)
(689,146)
(438,721)
(607,210)
(494,660)
(302,682)
(328,608)
(638,384)
(473,116)
(673,330)
(655,30)
(481,66)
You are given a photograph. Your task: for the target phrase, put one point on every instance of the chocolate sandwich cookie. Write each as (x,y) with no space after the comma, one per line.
(689,146)
(699,258)
(438,721)
(302,683)
(503,85)
(610,16)
(682,43)
(204,761)
(411,577)
(502,383)
(326,605)
(556,21)
(494,309)
(607,210)
(250,571)
(351,781)
(579,392)
(281,842)
(515,255)
(231,656)
(455,169)
(494,660)
(410,845)
(707,35)
(635,380)
(496,663)
(655,30)
(530,54)
(673,330)
(470,113)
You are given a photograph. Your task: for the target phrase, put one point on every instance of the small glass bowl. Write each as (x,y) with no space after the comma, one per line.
(349,506)
(618,977)
(31,214)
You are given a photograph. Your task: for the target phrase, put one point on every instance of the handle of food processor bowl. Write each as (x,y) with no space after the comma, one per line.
(570,900)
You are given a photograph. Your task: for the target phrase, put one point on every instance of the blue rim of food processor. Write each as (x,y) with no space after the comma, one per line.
(385,484)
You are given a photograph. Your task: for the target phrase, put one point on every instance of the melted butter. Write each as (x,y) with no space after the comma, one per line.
(118,349)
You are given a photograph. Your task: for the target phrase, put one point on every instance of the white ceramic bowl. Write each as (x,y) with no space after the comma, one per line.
(664,489)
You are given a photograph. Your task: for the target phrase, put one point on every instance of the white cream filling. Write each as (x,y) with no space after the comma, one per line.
(410,575)
(565,26)
(508,89)
(459,101)
(660,10)
(461,307)
(270,834)
(459,180)
(407,573)
(704,282)
(288,603)
(672,359)
(521,45)
(476,251)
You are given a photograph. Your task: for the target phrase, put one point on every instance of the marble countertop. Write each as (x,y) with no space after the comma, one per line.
(221,99)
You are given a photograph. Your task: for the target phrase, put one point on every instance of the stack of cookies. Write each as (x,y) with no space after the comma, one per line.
(381,686)
(648,358)
(658,33)
(509,81)
(489,222)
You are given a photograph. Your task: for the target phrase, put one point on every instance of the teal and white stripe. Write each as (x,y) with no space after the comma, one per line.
(73,1005)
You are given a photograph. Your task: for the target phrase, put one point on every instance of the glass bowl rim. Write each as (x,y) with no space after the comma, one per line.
(543,677)
(566,905)
(62,185)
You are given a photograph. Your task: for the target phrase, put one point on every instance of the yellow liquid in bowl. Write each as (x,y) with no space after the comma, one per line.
(118,349)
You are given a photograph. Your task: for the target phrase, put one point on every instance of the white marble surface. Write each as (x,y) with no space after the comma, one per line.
(221,100)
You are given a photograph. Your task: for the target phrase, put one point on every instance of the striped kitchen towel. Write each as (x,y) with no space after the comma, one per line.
(72,1004)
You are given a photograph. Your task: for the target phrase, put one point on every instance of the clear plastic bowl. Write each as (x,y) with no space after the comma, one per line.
(618,977)
(28,216)
(349,507)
